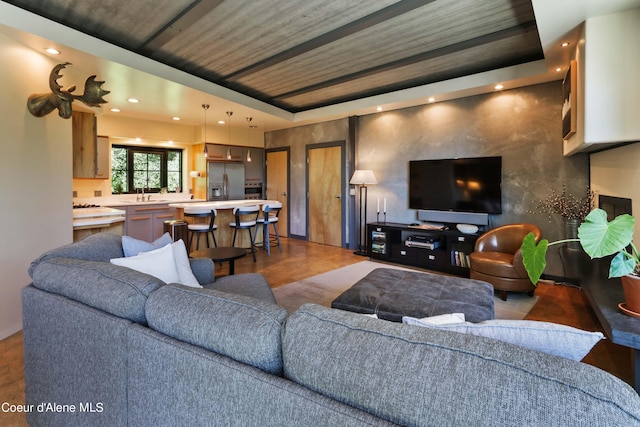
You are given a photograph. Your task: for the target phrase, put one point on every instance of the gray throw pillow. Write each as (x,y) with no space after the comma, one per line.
(133,247)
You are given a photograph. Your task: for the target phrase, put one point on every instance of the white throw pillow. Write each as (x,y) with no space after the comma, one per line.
(183,265)
(441,319)
(551,338)
(133,247)
(159,263)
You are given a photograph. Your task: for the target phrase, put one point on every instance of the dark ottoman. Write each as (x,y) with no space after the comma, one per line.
(392,293)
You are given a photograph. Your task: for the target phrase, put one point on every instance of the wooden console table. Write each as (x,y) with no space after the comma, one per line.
(604,295)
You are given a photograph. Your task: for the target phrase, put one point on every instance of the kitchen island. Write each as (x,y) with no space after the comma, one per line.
(224,209)
(87,221)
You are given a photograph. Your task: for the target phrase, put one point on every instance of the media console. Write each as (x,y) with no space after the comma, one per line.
(445,250)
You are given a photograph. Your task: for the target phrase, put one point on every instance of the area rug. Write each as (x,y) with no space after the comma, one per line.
(325,287)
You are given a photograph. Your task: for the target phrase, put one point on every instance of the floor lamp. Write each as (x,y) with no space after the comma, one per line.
(362,178)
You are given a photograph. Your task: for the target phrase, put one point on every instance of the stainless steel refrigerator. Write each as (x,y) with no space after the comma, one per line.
(225,181)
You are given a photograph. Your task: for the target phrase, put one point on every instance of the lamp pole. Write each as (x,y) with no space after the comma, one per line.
(362,178)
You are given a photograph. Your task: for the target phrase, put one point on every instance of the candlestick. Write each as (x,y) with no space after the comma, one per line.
(385,205)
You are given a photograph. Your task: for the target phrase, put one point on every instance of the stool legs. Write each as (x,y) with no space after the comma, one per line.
(251,239)
(206,233)
(266,237)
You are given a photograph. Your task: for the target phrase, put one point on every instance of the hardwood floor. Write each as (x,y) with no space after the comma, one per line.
(299,260)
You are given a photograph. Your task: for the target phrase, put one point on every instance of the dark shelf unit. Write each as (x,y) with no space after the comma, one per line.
(440,250)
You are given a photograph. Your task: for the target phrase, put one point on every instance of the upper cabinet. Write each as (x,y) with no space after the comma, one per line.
(90,152)
(608,87)
(253,164)
(224,153)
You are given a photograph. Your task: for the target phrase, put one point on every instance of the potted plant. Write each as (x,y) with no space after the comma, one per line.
(599,238)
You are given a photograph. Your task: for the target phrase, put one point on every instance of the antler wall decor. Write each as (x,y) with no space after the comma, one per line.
(42,104)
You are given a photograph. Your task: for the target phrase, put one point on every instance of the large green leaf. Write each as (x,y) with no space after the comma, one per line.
(534,257)
(600,238)
(621,265)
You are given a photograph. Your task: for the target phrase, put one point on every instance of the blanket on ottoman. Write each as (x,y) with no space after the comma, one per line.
(392,294)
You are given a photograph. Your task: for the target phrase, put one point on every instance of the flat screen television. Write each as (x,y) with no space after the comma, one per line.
(460,185)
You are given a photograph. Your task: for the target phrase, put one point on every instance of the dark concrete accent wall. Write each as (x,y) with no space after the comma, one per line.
(297,139)
(521,125)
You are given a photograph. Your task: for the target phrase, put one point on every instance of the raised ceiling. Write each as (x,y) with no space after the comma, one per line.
(303,55)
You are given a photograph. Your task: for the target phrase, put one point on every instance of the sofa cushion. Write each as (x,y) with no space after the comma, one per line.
(111,288)
(96,247)
(552,338)
(424,376)
(242,328)
(249,284)
(133,247)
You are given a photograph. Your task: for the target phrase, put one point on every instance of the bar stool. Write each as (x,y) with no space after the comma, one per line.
(270,216)
(201,228)
(245,218)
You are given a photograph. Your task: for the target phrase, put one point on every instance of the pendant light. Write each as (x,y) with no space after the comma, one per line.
(229,114)
(249,149)
(205,107)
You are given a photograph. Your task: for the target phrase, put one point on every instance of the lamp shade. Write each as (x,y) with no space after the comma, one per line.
(363,177)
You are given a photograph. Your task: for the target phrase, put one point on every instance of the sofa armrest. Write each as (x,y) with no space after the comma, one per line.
(203,269)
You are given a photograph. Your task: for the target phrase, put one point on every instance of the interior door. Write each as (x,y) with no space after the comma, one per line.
(325,223)
(277,185)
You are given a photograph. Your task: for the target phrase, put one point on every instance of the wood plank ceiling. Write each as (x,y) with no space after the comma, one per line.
(304,54)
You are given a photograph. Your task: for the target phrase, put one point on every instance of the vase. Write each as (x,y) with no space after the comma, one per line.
(631,288)
(571,232)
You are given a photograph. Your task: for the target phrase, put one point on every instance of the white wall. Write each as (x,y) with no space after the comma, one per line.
(616,172)
(608,84)
(35,176)
(612,86)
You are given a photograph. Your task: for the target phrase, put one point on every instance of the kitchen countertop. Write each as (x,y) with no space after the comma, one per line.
(130,199)
(100,216)
(223,204)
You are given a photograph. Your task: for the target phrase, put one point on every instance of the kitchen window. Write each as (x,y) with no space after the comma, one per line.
(147,168)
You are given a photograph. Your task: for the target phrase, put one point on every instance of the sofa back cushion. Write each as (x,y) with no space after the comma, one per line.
(418,376)
(96,247)
(116,290)
(242,328)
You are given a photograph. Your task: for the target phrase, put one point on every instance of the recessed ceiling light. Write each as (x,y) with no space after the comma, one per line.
(52,51)
(176,118)
(115,110)
(138,139)
(565,44)
(170,142)
(498,87)
(379,109)
(221,122)
(558,69)
(133,100)
(431,99)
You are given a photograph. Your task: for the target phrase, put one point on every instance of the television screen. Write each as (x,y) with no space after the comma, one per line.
(463,185)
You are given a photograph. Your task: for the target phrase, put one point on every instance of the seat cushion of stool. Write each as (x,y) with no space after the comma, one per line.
(394,293)
(270,220)
(243,224)
(201,227)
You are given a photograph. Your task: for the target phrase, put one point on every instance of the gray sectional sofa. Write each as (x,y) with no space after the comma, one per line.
(106,345)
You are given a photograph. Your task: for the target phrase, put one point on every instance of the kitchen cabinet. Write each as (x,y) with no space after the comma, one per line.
(90,153)
(103,154)
(254,169)
(224,153)
(146,222)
